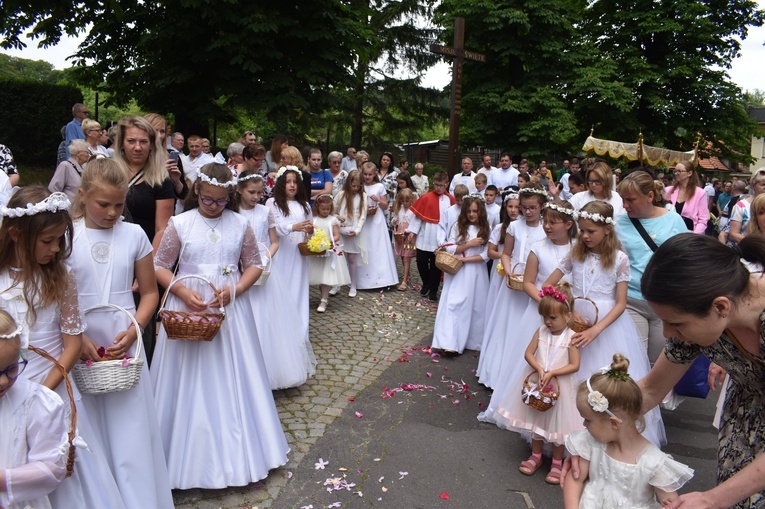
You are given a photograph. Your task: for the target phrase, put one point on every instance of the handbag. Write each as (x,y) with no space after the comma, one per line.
(694,382)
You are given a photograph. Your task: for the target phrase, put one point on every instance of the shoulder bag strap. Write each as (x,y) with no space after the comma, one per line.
(641,230)
(135,179)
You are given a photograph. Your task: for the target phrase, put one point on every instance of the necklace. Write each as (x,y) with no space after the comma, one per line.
(213,235)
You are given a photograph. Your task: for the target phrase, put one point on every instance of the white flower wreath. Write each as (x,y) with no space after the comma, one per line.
(53,203)
(214,182)
(562,210)
(284,169)
(595,218)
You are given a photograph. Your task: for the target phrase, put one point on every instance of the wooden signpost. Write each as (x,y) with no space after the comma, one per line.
(459,53)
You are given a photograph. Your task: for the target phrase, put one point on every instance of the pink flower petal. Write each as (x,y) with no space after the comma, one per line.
(444,496)
(359,415)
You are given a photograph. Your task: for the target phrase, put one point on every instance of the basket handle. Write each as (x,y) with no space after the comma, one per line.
(270,258)
(593,304)
(555,378)
(72,407)
(190,276)
(137,326)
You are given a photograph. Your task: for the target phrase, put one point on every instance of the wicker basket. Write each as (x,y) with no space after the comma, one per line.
(72,433)
(266,270)
(447,262)
(371,211)
(535,397)
(580,325)
(191,325)
(116,375)
(303,248)
(515,279)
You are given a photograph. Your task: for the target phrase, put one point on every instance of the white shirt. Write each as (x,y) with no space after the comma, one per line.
(492,214)
(565,193)
(487,171)
(579,200)
(191,168)
(420,183)
(5,189)
(429,235)
(465,180)
(504,178)
(348,164)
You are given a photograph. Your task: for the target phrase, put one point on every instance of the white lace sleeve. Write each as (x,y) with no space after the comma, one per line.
(71,321)
(283,227)
(271,219)
(566,266)
(169,248)
(250,256)
(46,439)
(622,268)
(362,216)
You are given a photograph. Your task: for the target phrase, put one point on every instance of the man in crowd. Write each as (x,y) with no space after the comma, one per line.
(349,161)
(486,167)
(724,197)
(248,137)
(74,128)
(566,193)
(419,180)
(196,158)
(504,176)
(177,142)
(466,178)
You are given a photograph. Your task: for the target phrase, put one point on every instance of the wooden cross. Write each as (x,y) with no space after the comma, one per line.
(459,53)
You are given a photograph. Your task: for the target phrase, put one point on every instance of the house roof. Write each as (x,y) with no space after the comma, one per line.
(757,114)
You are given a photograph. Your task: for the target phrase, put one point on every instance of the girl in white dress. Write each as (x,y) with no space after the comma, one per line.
(293,221)
(461,310)
(35,236)
(331,269)
(33,451)
(217,415)
(550,355)
(380,271)
(600,271)
(351,207)
(108,254)
(286,350)
(502,342)
(618,467)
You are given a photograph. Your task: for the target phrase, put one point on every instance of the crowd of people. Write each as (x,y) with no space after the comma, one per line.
(549,276)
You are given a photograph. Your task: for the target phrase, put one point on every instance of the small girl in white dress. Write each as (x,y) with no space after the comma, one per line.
(286,350)
(351,207)
(600,271)
(549,354)
(405,250)
(618,466)
(217,415)
(461,309)
(33,454)
(331,269)
(108,254)
(380,271)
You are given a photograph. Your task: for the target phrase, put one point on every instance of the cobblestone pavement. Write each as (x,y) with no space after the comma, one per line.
(355,340)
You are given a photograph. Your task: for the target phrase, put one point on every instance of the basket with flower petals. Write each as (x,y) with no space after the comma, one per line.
(191,325)
(540,398)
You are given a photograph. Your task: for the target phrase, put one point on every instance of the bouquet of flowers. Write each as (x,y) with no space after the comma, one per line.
(500,269)
(319,242)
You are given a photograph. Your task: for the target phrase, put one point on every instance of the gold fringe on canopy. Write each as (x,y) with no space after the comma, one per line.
(653,156)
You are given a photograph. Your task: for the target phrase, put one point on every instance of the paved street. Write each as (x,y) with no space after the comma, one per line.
(393,426)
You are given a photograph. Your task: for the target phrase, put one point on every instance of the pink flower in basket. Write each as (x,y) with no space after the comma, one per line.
(89,362)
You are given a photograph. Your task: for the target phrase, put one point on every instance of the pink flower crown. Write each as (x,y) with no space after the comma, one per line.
(549,291)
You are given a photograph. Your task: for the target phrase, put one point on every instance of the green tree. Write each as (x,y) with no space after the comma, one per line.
(24,69)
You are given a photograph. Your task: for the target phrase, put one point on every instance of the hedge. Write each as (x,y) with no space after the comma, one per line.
(31,117)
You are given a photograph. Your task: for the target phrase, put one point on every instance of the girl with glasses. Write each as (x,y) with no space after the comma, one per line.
(600,187)
(688,199)
(217,415)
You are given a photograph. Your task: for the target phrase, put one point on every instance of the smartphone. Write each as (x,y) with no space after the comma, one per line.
(174,155)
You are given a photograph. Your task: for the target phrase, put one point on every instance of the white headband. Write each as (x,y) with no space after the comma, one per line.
(476,196)
(214,182)
(53,203)
(598,402)
(562,210)
(284,170)
(12,334)
(596,218)
(248,177)
(511,196)
(531,190)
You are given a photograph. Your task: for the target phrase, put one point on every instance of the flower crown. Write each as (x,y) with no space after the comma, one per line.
(531,190)
(214,182)
(239,180)
(595,218)
(511,196)
(12,334)
(476,196)
(321,197)
(562,210)
(284,170)
(53,203)
(549,291)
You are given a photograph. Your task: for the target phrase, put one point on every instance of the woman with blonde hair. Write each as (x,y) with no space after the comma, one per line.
(600,185)
(173,166)
(291,156)
(92,131)
(274,156)
(741,212)
(688,199)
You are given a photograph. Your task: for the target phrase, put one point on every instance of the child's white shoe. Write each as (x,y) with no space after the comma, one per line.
(352,293)
(334,290)
(322,306)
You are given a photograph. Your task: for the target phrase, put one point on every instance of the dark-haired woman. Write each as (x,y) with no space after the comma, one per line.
(645,215)
(274,156)
(712,304)
(689,200)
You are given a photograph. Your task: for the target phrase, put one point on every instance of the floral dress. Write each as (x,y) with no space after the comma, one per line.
(742,429)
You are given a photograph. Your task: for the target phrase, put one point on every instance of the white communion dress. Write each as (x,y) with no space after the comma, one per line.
(33,451)
(217,415)
(461,308)
(286,350)
(103,262)
(330,269)
(380,271)
(92,483)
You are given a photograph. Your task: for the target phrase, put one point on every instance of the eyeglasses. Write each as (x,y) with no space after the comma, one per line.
(209,201)
(14,370)
(530,209)
(247,133)
(550,223)
(678,171)
(439,186)
(595,182)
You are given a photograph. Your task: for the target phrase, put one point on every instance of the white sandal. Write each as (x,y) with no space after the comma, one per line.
(322,305)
